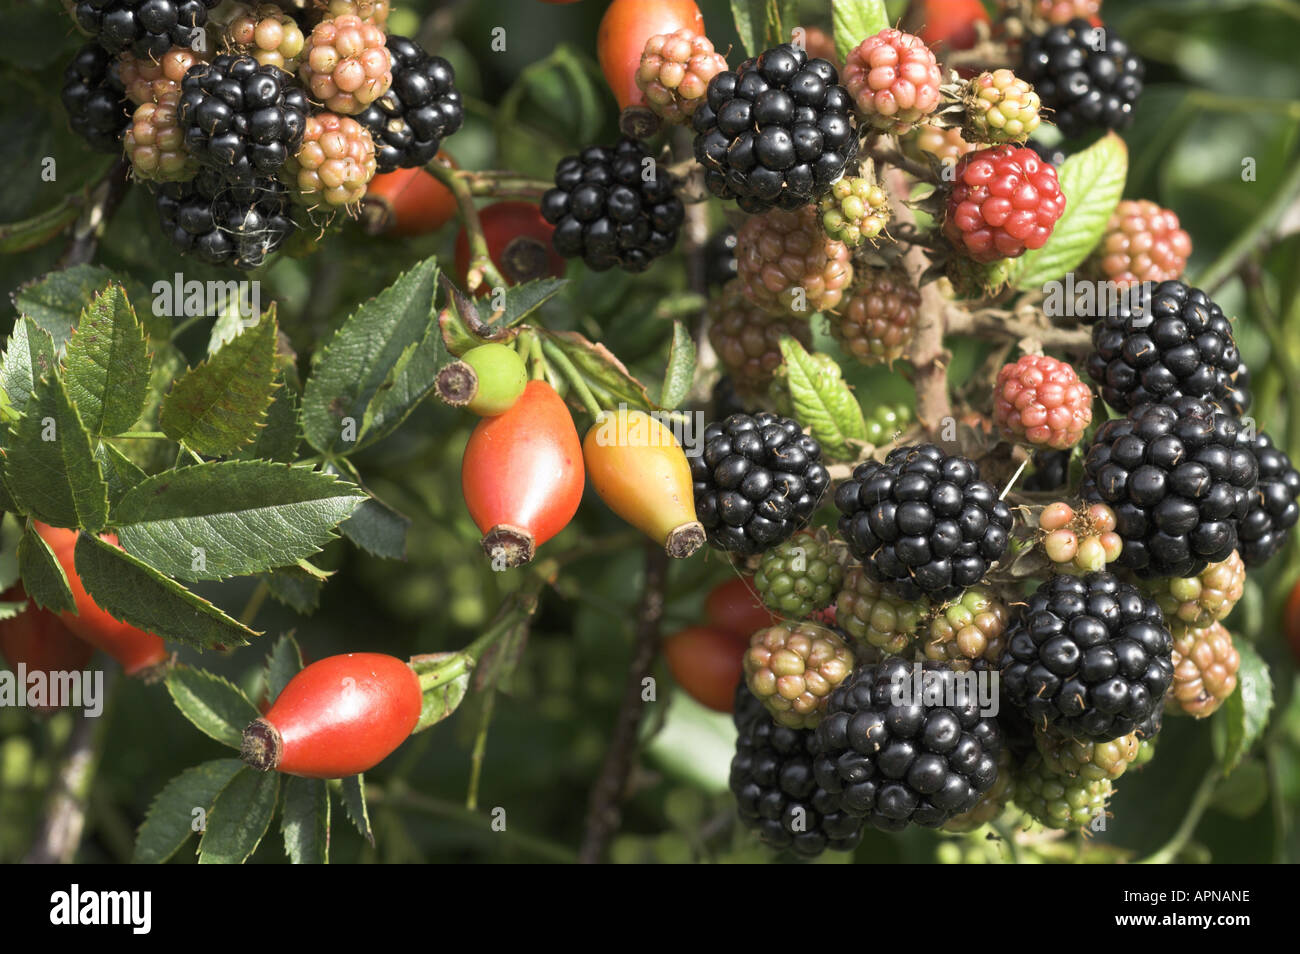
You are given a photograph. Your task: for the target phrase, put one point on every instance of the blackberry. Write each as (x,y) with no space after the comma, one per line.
(776,792)
(95,100)
(1092,760)
(967,629)
(1180,481)
(1162,343)
(240,117)
(1089,657)
(1236,397)
(992,803)
(1051,470)
(876,618)
(725,400)
(419,111)
(1273,510)
(1059,801)
(894,760)
(793,667)
(720,258)
(1053,155)
(758,480)
(775,132)
(225,223)
(800,576)
(1086,75)
(607,212)
(923,523)
(148,28)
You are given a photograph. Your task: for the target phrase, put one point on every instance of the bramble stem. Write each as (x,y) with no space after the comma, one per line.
(481,266)
(571,374)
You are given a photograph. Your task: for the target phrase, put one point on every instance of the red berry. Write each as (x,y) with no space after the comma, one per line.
(1041,401)
(340,716)
(736,607)
(38,639)
(894,79)
(675,71)
(519,243)
(1004,201)
(522,475)
(405,203)
(1142,243)
(706,662)
(949,23)
(624,30)
(1291,620)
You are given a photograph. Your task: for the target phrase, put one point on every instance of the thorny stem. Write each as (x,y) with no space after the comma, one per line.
(502,184)
(481,267)
(1200,802)
(893,157)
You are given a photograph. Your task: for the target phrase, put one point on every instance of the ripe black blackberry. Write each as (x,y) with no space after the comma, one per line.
(720,258)
(1054,155)
(1179,480)
(775,132)
(1086,75)
(98,109)
(1051,470)
(225,223)
(148,28)
(1163,342)
(1236,396)
(923,523)
(776,792)
(420,110)
(757,481)
(1273,509)
(724,400)
(1088,657)
(608,211)
(894,760)
(240,117)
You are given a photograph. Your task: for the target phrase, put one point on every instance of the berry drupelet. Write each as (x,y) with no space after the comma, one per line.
(148,28)
(1086,75)
(421,108)
(97,107)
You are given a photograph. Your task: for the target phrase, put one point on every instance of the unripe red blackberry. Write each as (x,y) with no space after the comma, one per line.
(854,211)
(266,33)
(785,262)
(346,64)
(335,161)
(98,110)
(675,71)
(944,143)
(1205,669)
(792,669)
(879,320)
(1203,599)
(1142,243)
(1004,201)
(1000,107)
(1059,801)
(148,81)
(894,79)
(969,628)
(1080,542)
(155,143)
(370,11)
(1041,401)
(747,338)
(1058,12)
(871,615)
(1090,760)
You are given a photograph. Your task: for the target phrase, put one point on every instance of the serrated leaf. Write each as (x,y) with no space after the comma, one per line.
(50,467)
(216,706)
(681,368)
(232,518)
(305,822)
(129,589)
(279,439)
(1093,182)
(296,588)
(353,789)
(107,364)
(43,576)
(377,528)
(509,306)
(440,702)
(29,356)
(239,818)
(219,406)
(855,20)
(749,18)
(822,403)
(1245,713)
(283,662)
(409,383)
(55,301)
(609,380)
(171,818)
(120,472)
(360,356)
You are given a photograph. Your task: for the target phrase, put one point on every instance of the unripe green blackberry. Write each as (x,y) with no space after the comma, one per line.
(1000,108)
(886,421)
(1205,669)
(1059,801)
(967,629)
(792,669)
(800,576)
(1146,752)
(855,210)
(871,615)
(992,803)
(1203,599)
(266,33)
(1090,760)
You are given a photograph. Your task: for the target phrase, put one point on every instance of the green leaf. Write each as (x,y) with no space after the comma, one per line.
(750,18)
(305,822)
(1241,721)
(360,356)
(681,368)
(283,662)
(51,469)
(129,589)
(181,808)
(377,528)
(1244,792)
(354,803)
(56,300)
(220,406)
(410,382)
(232,518)
(239,818)
(29,356)
(517,302)
(279,439)
(854,21)
(1093,182)
(296,588)
(609,380)
(120,472)
(823,403)
(217,707)
(43,577)
(442,701)
(107,364)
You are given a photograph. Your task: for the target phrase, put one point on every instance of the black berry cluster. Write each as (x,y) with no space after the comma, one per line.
(613,206)
(420,109)
(1052,155)
(776,132)
(1086,75)
(97,107)
(1088,657)
(148,28)
(757,481)
(922,522)
(224,223)
(1273,509)
(1180,481)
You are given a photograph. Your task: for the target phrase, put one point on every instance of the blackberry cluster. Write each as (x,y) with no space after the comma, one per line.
(420,109)
(776,791)
(720,258)
(606,211)
(1180,480)
(148,28)
(1162,343)
(758,480)
(240,117)
(923,523)
(775,132)
(1086,75)
(1052,155)
(1051,470)
(893,760)
(224,223)
(1088,657)
(1273,509)
(98,109)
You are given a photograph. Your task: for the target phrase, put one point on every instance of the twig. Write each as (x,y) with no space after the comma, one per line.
(895,158)
(481,267)
(502,184)
(603,811)
(94,219)
(994,322)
